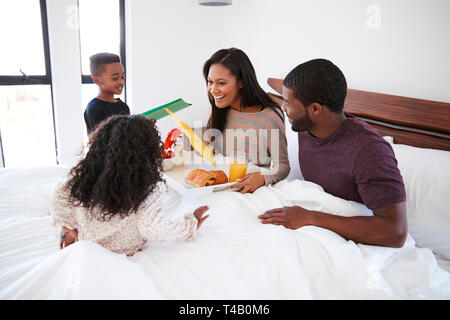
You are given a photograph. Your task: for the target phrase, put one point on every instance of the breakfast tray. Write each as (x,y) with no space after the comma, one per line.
(175,179)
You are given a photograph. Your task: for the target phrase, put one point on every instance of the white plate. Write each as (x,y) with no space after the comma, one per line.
(175,179)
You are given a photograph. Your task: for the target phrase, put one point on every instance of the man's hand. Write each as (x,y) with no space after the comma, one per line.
(249,183)
(289,217)
(387,227)
(67,237)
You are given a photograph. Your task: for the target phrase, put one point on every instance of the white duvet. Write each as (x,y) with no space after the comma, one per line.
(233,257)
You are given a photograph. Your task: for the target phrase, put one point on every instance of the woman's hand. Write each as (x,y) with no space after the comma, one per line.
(211,146)
(67,237)
(250,182)
(208,144)
(199,213)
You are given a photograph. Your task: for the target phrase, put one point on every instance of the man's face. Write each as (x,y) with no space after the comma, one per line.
(296,112)
(112,79)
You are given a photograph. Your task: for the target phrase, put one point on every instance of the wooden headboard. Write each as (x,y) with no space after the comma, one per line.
(415,122)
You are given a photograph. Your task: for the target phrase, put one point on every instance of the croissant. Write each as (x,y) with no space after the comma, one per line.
(200,178)
(221,177)
(203,178)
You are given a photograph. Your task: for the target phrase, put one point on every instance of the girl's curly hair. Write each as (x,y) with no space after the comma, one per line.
(121,168)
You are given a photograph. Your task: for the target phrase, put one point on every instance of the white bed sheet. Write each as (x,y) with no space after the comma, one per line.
(443,262)
(233,257)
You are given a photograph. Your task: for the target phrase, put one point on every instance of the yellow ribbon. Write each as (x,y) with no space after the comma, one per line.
(195,140)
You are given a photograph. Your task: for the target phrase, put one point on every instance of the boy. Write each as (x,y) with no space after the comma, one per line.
(108,73)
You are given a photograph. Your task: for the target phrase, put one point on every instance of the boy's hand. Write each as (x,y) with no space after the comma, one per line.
(67,237)
(199,213)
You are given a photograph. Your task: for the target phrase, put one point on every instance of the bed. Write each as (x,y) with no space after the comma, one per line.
(236,257)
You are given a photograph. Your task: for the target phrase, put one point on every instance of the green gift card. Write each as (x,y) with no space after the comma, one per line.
(159,112)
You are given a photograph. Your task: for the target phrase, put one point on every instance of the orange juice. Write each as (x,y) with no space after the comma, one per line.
(237,171)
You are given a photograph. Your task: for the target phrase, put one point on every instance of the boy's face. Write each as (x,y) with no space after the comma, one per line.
(111,81)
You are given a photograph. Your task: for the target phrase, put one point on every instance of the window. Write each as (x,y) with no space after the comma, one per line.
(27,125)
(109,14)
(27,131)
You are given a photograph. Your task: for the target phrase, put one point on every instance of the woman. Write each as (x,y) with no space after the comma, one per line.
(245,119)
(114,194)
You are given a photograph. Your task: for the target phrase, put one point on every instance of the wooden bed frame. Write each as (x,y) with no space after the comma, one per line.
(414,122)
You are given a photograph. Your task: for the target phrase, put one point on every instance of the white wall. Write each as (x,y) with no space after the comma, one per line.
(167,43)
(398,47)
(66,75)
(408,55)
(169,40)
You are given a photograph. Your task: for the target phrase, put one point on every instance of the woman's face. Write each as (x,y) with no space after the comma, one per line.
(224,87)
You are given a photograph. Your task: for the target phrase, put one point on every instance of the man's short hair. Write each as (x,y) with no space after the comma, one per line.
(100,60)
(319,81)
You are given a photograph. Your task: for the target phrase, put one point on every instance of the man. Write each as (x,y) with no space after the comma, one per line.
(345,156)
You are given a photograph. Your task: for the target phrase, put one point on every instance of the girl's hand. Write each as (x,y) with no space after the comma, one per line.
(199,213)
(67,237)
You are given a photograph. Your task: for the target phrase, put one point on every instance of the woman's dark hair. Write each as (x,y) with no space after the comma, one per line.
(121,168)
(319,81)
(251,93)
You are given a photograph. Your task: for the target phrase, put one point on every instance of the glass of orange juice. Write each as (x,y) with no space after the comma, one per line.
(238,168)
(237,171)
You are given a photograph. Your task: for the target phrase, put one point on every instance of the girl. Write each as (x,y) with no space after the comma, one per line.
(114,194)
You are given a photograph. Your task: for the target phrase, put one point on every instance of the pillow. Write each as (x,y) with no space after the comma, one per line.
(426,174)
(292,143)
